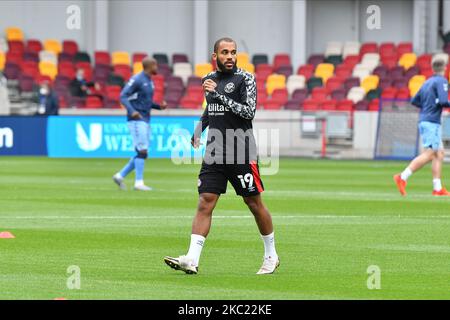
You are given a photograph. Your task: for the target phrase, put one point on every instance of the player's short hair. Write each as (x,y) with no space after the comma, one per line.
(438,65)
(147,62)
(225,39)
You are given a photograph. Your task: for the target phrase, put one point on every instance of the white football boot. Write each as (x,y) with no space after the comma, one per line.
(269,265)
(142,187)
(119,181)
(182,263)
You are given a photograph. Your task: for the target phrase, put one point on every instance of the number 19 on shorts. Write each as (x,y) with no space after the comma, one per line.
(247,178)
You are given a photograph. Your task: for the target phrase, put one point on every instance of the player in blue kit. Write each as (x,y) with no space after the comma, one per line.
(137,97)
(431,98)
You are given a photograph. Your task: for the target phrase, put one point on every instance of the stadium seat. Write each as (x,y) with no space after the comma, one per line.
(53,46)
(397,72)
(14,33)
(403,93)
(16,46)
(356,94)
(300,95)
(30,56)
(370,60)
(242,58)
(324,71)
(202,69)
(338,94)
(389,61)
(165,70)
(389,93)
(64,56)
(115,80)
(343,72)
(385,83)
(161,58)
(333,83)
(26,83)
(179,57)
(31,69)
(310,105)
(14,57)
(11,71)
(295,82)
(70,46)
(48,69)
(3,45)
(374,105)
(102,57)
(314,82)
(194,81)
(193,98)
(334,60)
(400,83)
(81,56)
(174,82)
(415,83)
(284,70)
(34,45)
(101,73)
(370,82)
(260,59)
(249,67)
(350,48)
(137,67)
(120,57)
(361,71)
(362,105)
(381,71)
(275,81)
(315,59)
(333,48)
(306,70)
(280,96)
(404,47)
(411,72)
(424,61)
(373,94)
(93,102)
(368,47)
(122,70)
(281,59)
(388,49)
(293,105)
(328,105)
(48,56)
(407,60)
(319,93)
(66,69)
(138,57)
(351,60)
(2,61)
(345,105)
(182,70)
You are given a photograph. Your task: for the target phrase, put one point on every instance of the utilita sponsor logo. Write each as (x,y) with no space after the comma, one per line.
(214,107)
(6,138)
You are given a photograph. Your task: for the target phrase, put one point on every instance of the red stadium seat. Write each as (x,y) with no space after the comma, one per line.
(333,83)
(424,61)
(306,70)
(343,72)
(14,57)
(281,59)
(123,70)
(374,105)
(403,93)
(93,102)
(70,47)
(102,57)
(344,105)
(34,45)
(272,105)
(30,68)
(16,46)
(388,49)
(368,47)
(351,61)
(389,93)
(328,105)
(139,56)
(404,47)
(311,105)
(319,93)
(263,71)
(280,96)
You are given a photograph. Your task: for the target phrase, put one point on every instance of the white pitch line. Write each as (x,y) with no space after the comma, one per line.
(222,217)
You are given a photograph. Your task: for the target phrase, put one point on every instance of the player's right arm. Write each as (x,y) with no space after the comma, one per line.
(201,126)
(129,89)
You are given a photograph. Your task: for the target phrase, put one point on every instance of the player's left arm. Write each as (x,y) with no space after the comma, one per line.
(244,110)
(442,93)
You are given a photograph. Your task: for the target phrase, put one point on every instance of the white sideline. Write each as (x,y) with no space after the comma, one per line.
(249,216)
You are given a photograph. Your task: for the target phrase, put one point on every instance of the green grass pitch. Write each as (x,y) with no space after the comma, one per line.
(333,219)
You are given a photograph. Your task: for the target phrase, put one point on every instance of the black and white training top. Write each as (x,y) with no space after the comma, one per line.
(230,110)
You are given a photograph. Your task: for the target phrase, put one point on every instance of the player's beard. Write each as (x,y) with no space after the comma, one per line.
(224,69)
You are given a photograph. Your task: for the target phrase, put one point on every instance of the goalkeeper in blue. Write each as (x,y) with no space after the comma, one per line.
(137,97)
(430,99)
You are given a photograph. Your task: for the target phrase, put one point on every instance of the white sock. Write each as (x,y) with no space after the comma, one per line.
(269,245)
(118,175)
(139,183)
(195,249)
(437,185)
(406,174)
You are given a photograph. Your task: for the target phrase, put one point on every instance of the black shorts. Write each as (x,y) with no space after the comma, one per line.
(244,178)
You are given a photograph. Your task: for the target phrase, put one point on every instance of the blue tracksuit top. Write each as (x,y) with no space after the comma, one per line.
(137,95)
(431,98)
